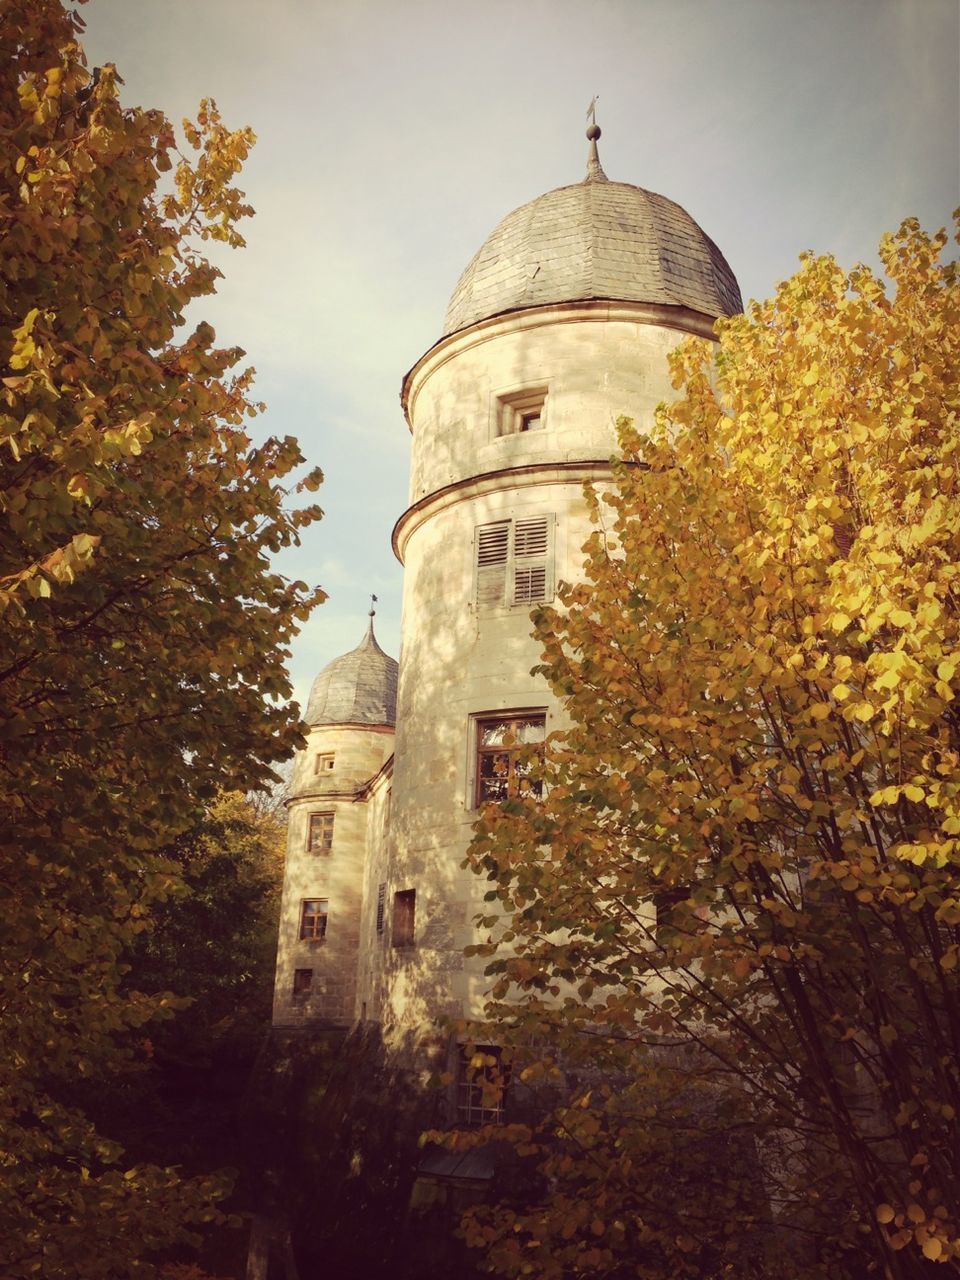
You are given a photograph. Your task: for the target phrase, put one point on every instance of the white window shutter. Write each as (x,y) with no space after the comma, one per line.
(492,557)
(533,560)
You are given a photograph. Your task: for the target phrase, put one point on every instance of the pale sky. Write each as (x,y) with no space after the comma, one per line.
(394,136)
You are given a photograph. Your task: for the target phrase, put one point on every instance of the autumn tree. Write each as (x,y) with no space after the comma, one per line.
(211,942)
(733,917)
(144,632)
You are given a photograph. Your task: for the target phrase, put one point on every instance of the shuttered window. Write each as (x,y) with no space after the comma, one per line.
(493,557)
(514,562)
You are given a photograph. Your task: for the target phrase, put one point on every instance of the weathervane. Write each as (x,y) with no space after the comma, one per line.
(594,168)
(373,602)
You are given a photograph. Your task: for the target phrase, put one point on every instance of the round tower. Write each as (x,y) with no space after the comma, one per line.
(562,322)
(338,780)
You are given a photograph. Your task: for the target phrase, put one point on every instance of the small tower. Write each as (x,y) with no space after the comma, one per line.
(340,787)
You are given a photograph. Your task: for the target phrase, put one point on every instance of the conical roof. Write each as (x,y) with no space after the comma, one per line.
(595,239)
(360,687)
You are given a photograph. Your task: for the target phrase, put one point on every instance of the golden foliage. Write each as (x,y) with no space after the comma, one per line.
(740,892)
(144,635)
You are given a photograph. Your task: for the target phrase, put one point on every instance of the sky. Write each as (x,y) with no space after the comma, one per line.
(393,137)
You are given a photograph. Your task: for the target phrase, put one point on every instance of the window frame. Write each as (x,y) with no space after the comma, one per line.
(325,762)
(472,1106)
(403,921)
(515,409)
(302,983)
(324,845)
(511,717)
(313,924)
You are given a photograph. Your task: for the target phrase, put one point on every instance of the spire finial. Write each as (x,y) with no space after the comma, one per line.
(594,168)
(370,614)
(373,601)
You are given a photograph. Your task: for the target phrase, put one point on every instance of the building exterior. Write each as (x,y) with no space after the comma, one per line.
(562,322)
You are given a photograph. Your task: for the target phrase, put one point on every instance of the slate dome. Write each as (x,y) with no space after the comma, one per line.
(359,687)
(596,239)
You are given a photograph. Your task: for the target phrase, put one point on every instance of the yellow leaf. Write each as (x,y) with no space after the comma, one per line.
(932,1248)
(885,1213)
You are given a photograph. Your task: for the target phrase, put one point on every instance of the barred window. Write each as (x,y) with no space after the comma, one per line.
(381,907)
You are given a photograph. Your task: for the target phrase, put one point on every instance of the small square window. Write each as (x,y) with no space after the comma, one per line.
(313,919)
(404,916)
(522,411)
(302,982)
(320,833)
(482,1080)
(324,763)
(499,771)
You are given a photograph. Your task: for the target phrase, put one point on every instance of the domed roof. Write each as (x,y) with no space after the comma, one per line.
(596,239)
(360,687)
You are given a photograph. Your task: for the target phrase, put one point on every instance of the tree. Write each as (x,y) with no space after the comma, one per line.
(212,942)
(145,635)
(732,929)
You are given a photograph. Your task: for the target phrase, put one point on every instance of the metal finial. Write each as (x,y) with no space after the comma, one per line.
(373,601)
(594,168)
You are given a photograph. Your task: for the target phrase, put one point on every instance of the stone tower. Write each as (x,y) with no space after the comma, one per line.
(561,322)
(338,796)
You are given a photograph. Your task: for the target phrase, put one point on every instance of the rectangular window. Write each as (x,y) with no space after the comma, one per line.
(320,833)
(313,919)
(302,982)
(381,907)
(482,1080)
(514,562)
(404,914)
(500,772)
(324,763)
(522,411)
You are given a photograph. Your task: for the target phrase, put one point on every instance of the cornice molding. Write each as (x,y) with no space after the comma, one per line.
(598,311)
(537,473)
